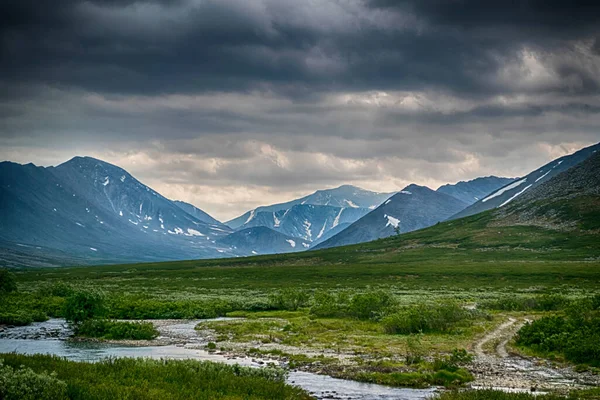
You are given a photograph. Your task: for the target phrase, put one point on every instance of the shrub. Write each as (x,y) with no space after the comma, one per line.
(58,289)
(117,330)
(84,305)
(136,307)
(441,318)
(130,378)
(24,384)
(289,299)
(548,302)
(16,318)
(7,281)
(329,305)
(575,335)
(370,305)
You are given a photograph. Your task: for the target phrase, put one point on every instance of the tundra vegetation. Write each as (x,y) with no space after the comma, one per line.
(402,311)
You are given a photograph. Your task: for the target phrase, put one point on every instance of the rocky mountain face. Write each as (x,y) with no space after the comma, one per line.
(346,196)
(512,191)
(472,191)
(316,217)
(262,240)
(570,200)
(413,208)
(88,211)
(199,214)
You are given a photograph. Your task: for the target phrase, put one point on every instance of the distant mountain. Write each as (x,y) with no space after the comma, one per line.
(262,240)
(510,192)
(198,213)
(88,211)
(413,208)
(472,191)
(308,222)
(345,196)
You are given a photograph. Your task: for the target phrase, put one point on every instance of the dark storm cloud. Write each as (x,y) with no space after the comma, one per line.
(144,47)
(233,103)
(566,19)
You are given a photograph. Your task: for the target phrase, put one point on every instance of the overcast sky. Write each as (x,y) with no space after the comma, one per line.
(230,104)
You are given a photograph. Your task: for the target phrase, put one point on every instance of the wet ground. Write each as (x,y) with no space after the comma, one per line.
(180,341)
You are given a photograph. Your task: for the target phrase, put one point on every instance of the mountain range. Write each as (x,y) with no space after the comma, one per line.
(86,211)
(413,208)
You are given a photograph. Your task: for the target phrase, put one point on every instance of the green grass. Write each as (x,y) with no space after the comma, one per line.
(158,379)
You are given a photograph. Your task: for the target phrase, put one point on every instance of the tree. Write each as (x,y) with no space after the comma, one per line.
(7,281)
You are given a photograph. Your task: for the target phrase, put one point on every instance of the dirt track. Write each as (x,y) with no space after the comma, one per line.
(496,367)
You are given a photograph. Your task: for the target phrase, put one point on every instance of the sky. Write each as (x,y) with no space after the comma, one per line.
(231,104)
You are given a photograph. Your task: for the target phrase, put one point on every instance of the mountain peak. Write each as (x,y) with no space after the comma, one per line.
(415,187)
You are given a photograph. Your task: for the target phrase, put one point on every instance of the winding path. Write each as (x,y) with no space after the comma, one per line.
(500,369)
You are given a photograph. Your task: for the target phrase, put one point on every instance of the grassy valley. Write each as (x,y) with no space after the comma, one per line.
(423,308)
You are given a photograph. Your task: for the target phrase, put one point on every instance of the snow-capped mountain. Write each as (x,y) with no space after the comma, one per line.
(89,211)
(472,191)
(512,191)
(311,223)
(413,208)
(316,217)
(346,196)
(262,240)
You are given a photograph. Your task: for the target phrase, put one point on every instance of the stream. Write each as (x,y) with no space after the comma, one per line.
(50,337)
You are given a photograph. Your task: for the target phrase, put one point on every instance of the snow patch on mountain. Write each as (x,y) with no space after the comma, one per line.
(505,189)
(336,221)
(251,217)
(542,177)
(350,203)
(395,222)
(322,230)
(515,196)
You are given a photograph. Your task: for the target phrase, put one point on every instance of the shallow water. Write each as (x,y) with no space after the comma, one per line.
(321,386)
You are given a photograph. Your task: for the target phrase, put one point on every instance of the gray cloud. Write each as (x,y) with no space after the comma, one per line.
(234,103)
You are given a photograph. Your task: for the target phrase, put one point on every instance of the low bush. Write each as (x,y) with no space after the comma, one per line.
(147,308)
(574,335)
(24,384)
(369,305)
(548,302)
(128,378)
(289,299)
(117,330)
(17,318)
(427,318)
(84,305)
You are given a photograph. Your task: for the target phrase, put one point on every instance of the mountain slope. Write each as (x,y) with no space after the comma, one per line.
(262,240)
(306,221)
(413,208)
(88,211)
(345,196)
(476,189)
(570,200)
(513,190)
(199,214)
